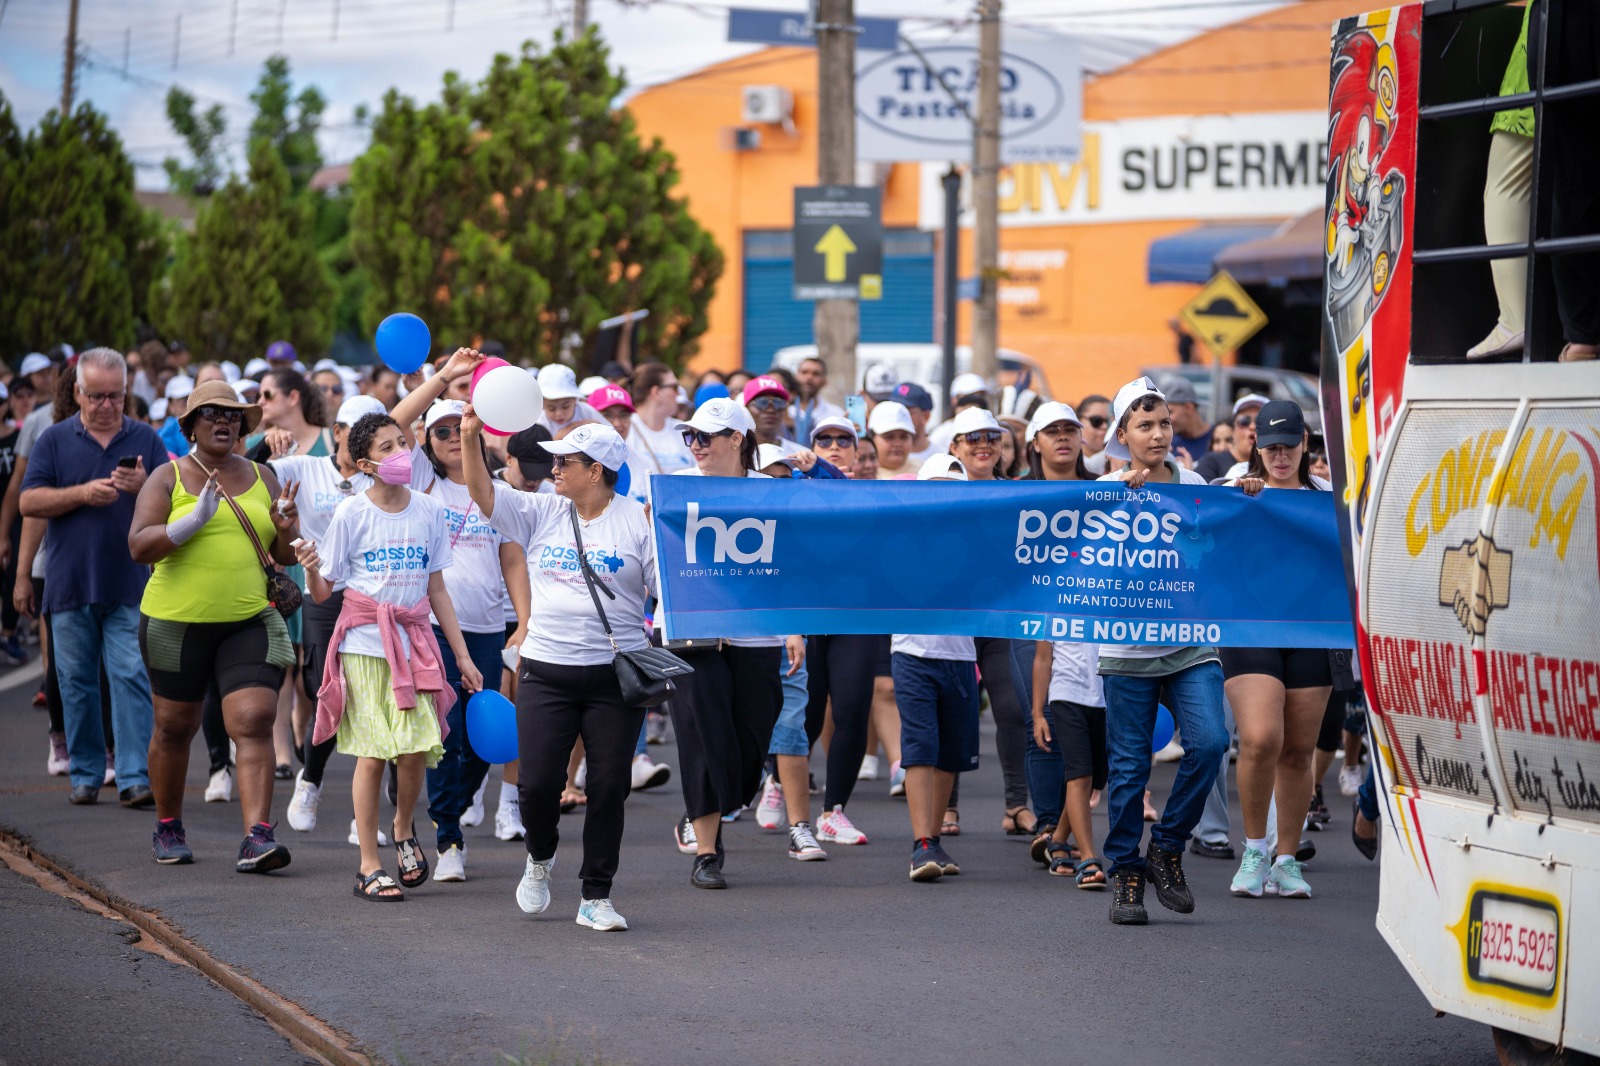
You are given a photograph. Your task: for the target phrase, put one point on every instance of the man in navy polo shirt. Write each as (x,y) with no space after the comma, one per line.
(92,585)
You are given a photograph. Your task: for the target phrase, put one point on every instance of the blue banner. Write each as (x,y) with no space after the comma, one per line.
(1062,560)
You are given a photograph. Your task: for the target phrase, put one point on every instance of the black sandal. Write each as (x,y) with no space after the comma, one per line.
(1039,850)
(1063,857)
(371,887)
(1014,816)
(413,863)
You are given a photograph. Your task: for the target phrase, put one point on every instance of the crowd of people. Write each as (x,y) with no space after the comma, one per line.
(298,562)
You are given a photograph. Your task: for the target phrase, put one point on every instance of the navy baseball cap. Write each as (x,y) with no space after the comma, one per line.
(912,395)
(1280,422)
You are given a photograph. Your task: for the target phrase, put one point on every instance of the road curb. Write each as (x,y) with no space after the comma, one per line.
(332,1045)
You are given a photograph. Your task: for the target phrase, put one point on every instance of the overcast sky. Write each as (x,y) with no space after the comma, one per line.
(219,46)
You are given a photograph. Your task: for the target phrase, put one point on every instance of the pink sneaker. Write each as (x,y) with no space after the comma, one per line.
(771,814)
(835,828)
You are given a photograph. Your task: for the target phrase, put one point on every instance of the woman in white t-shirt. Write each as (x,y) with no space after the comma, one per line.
(724,713)
(567,686)
(1278,695)
(383,690)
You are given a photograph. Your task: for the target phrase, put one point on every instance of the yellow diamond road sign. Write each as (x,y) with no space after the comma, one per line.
(1222,316)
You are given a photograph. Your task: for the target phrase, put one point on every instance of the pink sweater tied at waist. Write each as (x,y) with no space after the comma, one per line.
(421,672)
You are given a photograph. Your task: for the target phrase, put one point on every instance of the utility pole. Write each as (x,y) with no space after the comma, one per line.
(580,17)
(837,323)
(986,195)
(71,71)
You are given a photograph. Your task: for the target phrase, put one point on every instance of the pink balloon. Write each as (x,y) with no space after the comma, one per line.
(483,368)
(501,433)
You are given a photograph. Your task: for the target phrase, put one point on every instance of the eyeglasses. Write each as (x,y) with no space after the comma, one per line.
(1244,421)
(673,385)
(827,440)
(982,436)
(331,390)
(97,398)
(694,437)
(445,432)
(559,461)
(1097,421)
(232,416)
(766,403)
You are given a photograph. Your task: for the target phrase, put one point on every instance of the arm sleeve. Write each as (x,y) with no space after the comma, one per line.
(439,553)
(518,515)
(335,547)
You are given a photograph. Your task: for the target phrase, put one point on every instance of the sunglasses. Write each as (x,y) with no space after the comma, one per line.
(1244,421)
(766,403)
(1097,421)
(230,415)
(982,436)
(693,437)
(559,461)
(265,395)
(331,390)
(829,441)
(98,398)
(445,432)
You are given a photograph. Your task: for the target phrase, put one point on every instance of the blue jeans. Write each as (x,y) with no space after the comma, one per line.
(455,780)
(1367,797)
(81,640)
(1195,699)
(789,734)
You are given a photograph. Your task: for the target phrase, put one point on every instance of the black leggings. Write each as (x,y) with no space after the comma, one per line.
(316,629)
(556,705)
(1012,724)
(841,667)
(723,716)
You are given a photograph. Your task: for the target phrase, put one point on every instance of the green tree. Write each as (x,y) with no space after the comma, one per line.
(526,207)
(74,243)
(203,134)
(250,273)
(294,137)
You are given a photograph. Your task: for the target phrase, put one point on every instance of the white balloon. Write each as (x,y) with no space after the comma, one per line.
(508,399)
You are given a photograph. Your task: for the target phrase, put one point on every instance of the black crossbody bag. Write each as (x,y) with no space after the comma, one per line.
(644,675)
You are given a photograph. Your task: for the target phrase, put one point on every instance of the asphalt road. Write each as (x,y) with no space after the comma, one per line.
(844,961)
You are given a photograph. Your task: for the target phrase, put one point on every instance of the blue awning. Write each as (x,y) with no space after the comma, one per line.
(1187,256)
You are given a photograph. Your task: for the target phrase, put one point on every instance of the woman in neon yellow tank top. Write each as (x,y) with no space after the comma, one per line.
(205,617)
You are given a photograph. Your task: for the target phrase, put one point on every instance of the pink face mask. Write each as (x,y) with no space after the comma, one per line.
(395,468)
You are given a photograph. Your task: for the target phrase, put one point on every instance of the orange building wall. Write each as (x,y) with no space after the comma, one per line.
(1115,321)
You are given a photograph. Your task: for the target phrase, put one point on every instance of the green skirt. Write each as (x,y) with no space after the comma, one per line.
(373,725)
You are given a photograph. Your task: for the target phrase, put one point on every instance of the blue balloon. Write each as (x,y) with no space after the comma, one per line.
(624,480)
(403,342)
(492,727)
(1165,728)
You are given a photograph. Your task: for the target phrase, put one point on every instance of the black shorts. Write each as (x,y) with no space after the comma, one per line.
(884,666)
(183,658)
(1079,733)
(1295,667)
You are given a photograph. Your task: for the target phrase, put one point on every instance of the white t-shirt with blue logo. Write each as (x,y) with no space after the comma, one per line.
(563,627)
(476,584)
(322,489)
(386,556)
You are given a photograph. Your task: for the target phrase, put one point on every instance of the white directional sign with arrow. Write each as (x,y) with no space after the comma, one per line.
(838,243)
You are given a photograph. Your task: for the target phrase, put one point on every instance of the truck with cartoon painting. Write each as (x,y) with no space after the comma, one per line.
(1462,405)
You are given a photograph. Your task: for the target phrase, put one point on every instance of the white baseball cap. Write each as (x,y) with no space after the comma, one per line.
(1126,397)
(833,422)
(256,366)
(880,380)
(179,387)
(719,414)
(34,362)
(230,371)
(325,364)
(967,384)
(1049,413)
(942,468)
(1254,399)
(600,443)
(558,382)
(158,410)
(243,389)
(973,420)
(441,410)
(889,416)
(767,454)
(357,407)
(591,383)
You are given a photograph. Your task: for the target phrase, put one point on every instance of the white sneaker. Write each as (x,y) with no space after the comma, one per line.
(302,812)
(508,821)
(648,774)
(473,815)
(111,770)
(771,814)
(1350,778)
(59,762)
(600,914)
(803,844)
(533,891)
(1171,753)
(581,778)
(835,828)
(897,779)
(452,865)
(1500,341)
(354,838)
(220,789)
(869,768)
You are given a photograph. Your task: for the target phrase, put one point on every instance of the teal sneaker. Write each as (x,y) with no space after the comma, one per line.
(1286,880)
(1252,874)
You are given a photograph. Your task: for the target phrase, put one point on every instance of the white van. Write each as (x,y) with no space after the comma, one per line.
(923,364)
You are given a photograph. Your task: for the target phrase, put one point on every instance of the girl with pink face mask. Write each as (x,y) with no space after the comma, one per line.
(384,695)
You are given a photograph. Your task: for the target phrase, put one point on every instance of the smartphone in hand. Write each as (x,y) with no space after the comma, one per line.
(128,462)
(855,409)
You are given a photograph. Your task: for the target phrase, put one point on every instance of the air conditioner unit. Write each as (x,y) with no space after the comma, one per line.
(765,104)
